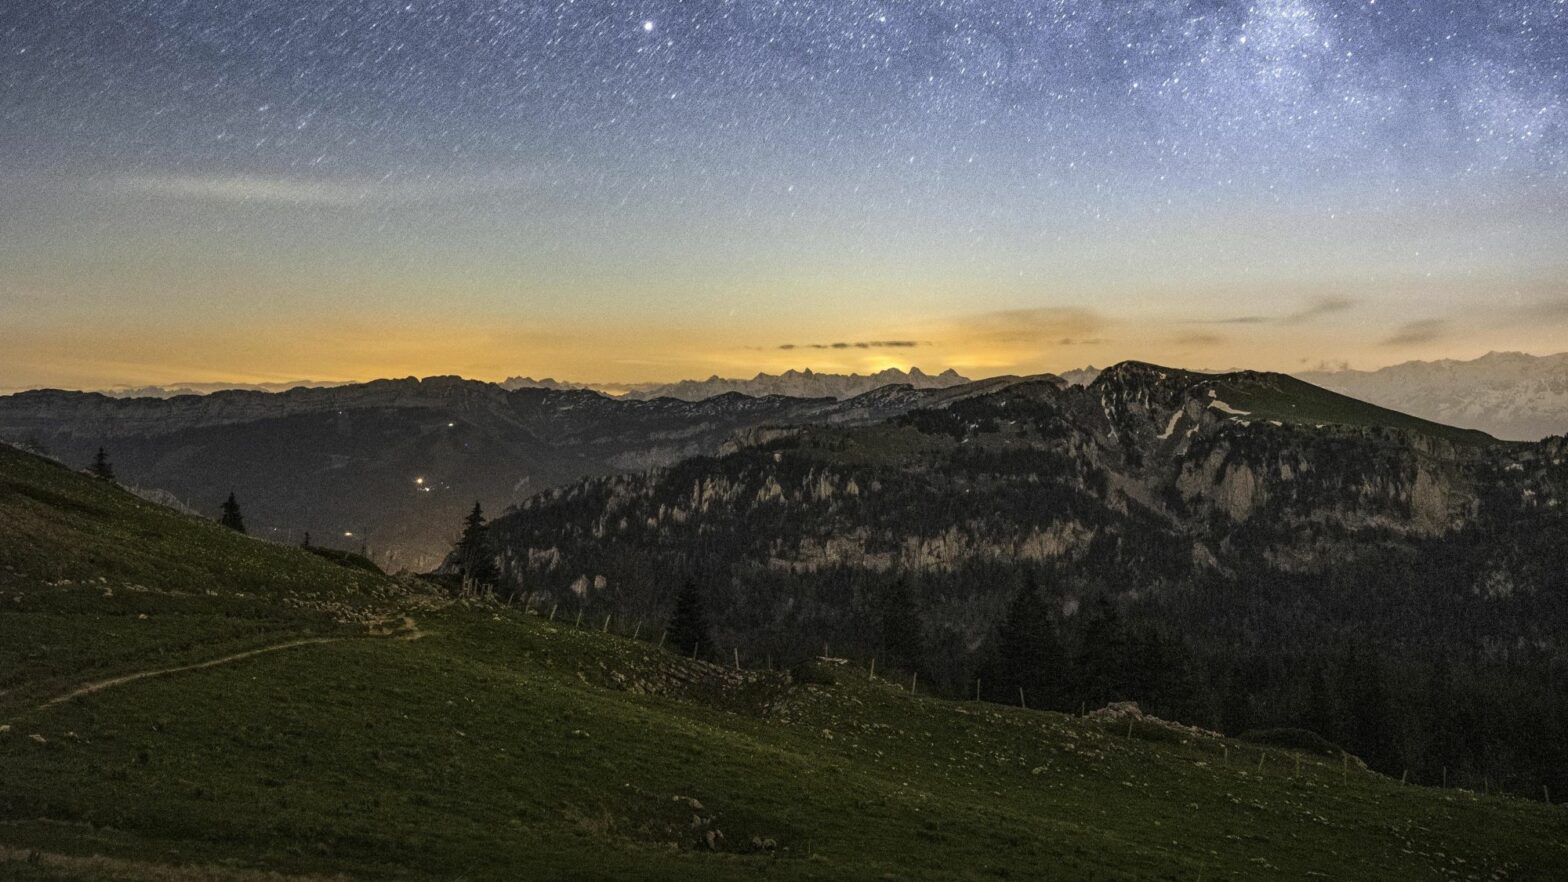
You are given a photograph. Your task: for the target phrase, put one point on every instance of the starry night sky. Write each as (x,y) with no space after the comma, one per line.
(341,189)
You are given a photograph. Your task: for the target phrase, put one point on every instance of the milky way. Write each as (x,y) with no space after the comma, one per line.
(996,145)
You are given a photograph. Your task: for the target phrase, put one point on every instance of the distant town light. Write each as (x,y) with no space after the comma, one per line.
(348,532)
(419,481)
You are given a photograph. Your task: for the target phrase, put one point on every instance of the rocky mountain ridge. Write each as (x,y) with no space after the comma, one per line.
(1147,481)
(390,466)
(800,384)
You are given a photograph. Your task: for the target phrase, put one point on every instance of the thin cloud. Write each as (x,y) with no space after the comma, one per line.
(1412,333)
(1551,310)
(1322,306)
(325,192)
(864,344)
(1235,320)
(1027,327)
(1319,308)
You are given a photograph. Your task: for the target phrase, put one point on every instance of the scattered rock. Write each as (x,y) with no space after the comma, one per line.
(1128,711)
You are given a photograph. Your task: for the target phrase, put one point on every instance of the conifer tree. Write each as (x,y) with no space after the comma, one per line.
(689,624)
(475,559)
(101,466)
(1103,653)
(1028,652)
(231,516)
(902,643)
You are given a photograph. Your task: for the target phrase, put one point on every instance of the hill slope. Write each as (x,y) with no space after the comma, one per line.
(503,745)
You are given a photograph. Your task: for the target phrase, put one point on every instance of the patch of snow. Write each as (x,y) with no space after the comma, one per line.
(1170,428)
(1222,407)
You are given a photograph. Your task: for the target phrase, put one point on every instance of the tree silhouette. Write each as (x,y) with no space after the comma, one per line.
(101,466)
(689,624)
(231,516)
(1029,654)
(901,637)
(1102,656)
(475,555)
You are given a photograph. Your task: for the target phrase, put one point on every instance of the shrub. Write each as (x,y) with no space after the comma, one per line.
(1294,739)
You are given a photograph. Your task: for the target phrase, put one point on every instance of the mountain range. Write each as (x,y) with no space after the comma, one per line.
(389,467)
(1511,395)
(1239,550)
(1228,548)
(800,384)
(1508,394)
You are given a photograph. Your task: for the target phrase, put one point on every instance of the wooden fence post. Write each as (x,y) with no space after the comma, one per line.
(1262,755)
(737,658)
(1021,702)
(977,689)
(552,611)
(579,622)
(663,634)
(606,628)
(914,679)
(637,630)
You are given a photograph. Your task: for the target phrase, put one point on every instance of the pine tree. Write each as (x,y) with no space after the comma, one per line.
(1028,653)
(475,559)
(1370,723)
(101,466)
(1102,654)
(305,543)
(689,623)
(231,516)
(902,643)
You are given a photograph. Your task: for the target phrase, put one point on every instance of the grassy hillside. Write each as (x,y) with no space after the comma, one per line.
(1289,400)
(420,739)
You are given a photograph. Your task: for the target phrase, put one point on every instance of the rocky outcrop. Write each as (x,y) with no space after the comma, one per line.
(1150,475)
